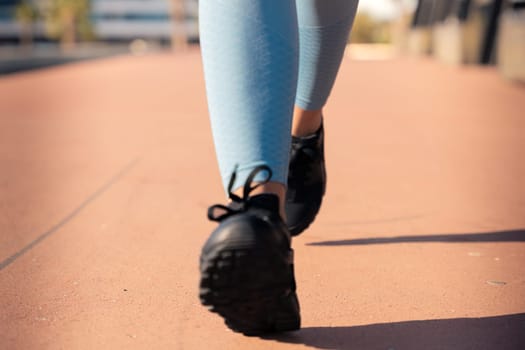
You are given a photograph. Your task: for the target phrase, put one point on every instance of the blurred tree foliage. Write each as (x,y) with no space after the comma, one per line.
(26,14)
(68,21)
(367,29)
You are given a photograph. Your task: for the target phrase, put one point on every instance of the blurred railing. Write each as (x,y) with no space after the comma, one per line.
(471,32)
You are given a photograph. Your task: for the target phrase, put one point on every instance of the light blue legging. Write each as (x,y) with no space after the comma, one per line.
(260,57)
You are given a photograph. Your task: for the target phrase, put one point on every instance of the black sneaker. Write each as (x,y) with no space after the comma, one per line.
(306,181)
(246,265)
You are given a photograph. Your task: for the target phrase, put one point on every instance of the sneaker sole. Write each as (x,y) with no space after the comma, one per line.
(250,285)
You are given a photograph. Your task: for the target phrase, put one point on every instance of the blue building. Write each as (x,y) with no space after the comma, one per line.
(9,29)
(115,20)
(124,20)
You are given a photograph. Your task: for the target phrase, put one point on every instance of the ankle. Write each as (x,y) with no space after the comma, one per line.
(271,188)
(306,122)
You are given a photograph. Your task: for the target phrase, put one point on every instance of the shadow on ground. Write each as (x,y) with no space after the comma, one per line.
(487,333)
(498,236)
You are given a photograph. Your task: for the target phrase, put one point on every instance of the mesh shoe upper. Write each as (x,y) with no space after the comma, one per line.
(306,181)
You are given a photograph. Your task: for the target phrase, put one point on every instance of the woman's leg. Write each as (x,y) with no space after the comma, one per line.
(324,27)
(250,55)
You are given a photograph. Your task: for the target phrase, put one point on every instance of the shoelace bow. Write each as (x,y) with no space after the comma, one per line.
(239,204)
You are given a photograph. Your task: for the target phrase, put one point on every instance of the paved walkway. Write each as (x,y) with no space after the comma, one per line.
(107,169)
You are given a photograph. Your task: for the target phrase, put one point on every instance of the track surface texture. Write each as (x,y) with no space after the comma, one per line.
(107,170)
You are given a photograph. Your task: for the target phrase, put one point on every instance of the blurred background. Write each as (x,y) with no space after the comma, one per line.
(107,168)
(39,33)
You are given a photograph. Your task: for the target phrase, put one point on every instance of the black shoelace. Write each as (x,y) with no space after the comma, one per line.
(239,204)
